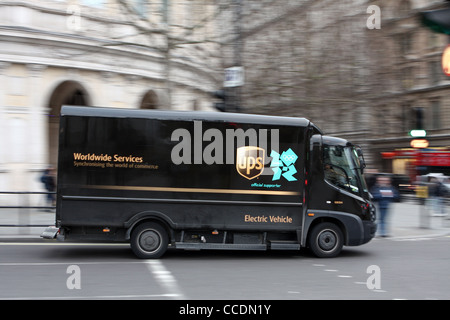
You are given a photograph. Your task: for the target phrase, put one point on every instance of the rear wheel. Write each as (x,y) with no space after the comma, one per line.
(326,240)
(149,240)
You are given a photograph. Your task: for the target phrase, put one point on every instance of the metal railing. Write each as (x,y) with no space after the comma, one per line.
(23,206)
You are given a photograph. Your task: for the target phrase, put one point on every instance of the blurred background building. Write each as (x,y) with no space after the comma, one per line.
(413,90)
(372,85)
(318,59)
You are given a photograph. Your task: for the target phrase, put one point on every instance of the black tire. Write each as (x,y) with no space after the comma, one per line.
(149,240)
(326,240)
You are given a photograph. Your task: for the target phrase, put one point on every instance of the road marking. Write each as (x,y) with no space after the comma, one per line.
(165,278)
(331,270)
(412,239)
(344,276)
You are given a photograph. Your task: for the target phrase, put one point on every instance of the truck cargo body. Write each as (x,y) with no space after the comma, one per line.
(197,180)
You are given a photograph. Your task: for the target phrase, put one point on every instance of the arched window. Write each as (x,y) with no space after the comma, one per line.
(66,93)
(150,100)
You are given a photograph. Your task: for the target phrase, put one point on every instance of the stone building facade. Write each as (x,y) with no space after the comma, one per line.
(105,53)
(411,79)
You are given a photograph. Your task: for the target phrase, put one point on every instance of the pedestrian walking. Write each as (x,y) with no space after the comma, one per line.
(48,179)
(437,194)
(384,193)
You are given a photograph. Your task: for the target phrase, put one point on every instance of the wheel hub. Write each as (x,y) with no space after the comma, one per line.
(327,240)
(150,240)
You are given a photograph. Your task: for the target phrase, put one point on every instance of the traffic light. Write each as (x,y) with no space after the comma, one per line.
(437,20)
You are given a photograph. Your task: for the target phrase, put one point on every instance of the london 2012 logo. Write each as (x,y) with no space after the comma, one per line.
(250,163)
(283,165)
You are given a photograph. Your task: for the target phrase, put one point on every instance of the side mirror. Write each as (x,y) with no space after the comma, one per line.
(362,161)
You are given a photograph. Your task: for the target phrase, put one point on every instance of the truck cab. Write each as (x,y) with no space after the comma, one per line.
(335,172)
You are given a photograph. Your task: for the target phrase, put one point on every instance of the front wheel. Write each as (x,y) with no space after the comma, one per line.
(326,240)
(149,240)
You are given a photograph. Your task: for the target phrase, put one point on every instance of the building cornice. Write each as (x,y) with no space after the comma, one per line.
(87,53)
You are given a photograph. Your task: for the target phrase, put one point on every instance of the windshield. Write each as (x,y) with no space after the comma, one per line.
(343,168)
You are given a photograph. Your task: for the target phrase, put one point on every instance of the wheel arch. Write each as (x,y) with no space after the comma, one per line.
(333,220)
(149,216)
(351,225)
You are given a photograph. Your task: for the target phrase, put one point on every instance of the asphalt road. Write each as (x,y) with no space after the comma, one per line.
(416,268)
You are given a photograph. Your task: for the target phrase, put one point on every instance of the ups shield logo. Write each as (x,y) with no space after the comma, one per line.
(250,161)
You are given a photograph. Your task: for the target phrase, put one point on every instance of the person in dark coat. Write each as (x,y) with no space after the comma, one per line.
(384,193)
(437,192)
(48,179)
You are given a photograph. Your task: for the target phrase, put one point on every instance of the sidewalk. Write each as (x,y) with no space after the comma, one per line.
(404,221)
(31,223)
(408,219)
